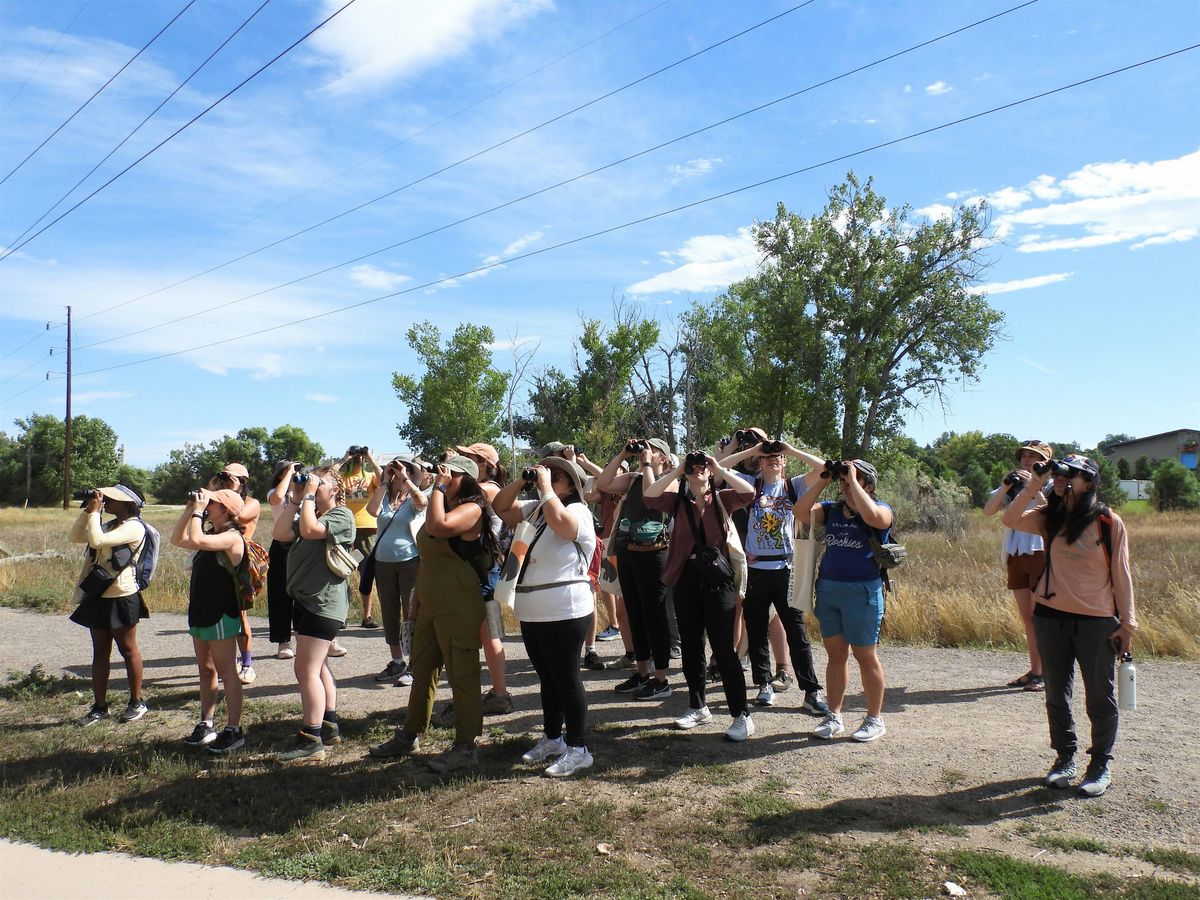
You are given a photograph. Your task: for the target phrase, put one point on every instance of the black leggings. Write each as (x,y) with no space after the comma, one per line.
(554,649)
(767,588)
(279,601)
(701,610)
(646,603)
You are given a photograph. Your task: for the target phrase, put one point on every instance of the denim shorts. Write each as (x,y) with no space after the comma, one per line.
(852,609)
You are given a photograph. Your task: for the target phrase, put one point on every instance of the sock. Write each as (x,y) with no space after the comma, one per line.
(236,729)
(312,731)
(208,722)
(398,660)
(330,716)
(590,648)
(247,659)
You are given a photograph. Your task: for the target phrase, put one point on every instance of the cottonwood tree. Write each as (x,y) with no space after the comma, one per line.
(31,465)
(460,395)
(856,316)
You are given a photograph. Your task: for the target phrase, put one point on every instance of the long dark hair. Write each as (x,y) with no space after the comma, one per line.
(1072,520)
(469,491)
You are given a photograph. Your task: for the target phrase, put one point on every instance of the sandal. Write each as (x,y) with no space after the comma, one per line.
(1023,680)
(1034,685)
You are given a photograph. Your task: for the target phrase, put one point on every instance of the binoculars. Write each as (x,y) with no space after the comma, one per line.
(636,446)
(694,461)
(836,468)
(299,477)
(357,451)
(770,448)
(529,475)
(1054,467)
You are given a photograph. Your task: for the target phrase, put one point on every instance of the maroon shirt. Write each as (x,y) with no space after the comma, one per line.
(683,541)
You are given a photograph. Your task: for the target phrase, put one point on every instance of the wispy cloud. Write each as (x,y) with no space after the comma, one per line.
(693,168)
(377,279)
(1021,284)
(321,398)
(710,262)
(376,42)
(938,87)
(1033,364)
(92,396)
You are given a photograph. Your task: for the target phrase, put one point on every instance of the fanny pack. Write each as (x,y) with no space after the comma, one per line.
(643,533)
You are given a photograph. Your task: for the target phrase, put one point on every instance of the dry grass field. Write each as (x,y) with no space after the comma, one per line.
(949,593)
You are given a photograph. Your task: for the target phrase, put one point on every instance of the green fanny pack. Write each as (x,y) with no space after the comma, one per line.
(642,532)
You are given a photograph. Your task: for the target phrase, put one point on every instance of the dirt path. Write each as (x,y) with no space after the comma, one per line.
(960,751)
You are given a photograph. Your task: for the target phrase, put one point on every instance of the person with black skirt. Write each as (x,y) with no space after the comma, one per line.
(111,612)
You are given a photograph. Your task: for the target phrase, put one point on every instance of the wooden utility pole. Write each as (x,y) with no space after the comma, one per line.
(67,453)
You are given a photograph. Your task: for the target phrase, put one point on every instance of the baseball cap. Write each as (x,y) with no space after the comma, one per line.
(1078,463)
(1041,448)
(553,448)
(867,470)
(486,452)
(660,445)
(462,464)
(231,500)
(237,469)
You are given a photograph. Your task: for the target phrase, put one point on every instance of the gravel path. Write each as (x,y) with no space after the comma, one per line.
(960,750)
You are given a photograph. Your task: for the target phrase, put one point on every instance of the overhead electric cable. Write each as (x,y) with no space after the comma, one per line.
(19,393)
(465,159)
(149,116)
(559,184)
(23,371)
(21,347)
(62,34)
(595,234)
(405,140)
(145,47)
(9,251)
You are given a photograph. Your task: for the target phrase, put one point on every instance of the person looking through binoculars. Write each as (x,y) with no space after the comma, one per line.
(235,477)
(768,545)
(360,483)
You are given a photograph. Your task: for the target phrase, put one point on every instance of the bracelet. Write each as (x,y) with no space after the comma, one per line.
(197,515)
(310,497)
(546,498)
(441,488)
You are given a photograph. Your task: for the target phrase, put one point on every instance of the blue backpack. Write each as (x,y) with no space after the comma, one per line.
(144,560)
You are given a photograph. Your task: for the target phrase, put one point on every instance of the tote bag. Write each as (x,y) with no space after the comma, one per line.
(804,567)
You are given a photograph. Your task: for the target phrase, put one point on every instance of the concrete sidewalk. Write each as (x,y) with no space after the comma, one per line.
(31,873)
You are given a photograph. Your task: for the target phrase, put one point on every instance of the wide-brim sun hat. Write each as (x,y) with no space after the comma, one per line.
(463,465)
(577,475)
(122,494)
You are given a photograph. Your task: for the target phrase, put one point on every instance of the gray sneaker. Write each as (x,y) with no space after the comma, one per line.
(458,758)
(815,703)
(1062,773)
(1095,780)
(766,696)
(829,726)
(402,743)
(135,710)
(871,729)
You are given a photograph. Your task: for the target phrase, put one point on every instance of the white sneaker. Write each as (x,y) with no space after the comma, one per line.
(546,748)
(829,726)
(693,718)
(742,728)
(246,675)
(576,759)
(336,649)
(872,729)
(285,651)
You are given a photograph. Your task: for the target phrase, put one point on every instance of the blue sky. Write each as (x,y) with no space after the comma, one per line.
(1094,193)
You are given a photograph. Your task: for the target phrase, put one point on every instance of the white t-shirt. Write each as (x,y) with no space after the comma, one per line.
(553,559)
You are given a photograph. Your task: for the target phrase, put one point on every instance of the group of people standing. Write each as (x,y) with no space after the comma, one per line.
(701,547)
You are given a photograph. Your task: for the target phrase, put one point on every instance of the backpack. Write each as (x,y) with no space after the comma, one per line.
(144,559)
(251,574)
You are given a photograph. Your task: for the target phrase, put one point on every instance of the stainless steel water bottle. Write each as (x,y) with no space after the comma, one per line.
(1127,683)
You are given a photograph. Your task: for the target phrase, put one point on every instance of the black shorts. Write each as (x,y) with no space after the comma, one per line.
(309,624)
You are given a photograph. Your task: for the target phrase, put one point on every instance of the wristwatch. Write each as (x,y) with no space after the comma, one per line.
(197,515)
(440,487)
(312,497)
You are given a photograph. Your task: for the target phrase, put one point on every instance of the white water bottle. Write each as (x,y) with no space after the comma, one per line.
(1127,683)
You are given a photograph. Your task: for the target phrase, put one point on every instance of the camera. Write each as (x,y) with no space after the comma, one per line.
(1054,467)
(694,460)
(529,475)
(770,448)
(836,468)
(637,446)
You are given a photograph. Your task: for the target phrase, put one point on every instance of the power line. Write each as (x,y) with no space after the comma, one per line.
(19,393)
(408,138)
(145,47)
(151,115)
(17,349)
(62,34)
(567,181)
(9,251)
(23,371)
(460,162)
(523,256)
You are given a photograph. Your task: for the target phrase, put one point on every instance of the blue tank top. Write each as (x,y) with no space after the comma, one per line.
(848,555)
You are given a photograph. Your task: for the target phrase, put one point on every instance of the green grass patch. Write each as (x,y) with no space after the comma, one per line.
(1070,843)
(1018,880)
(1171,858)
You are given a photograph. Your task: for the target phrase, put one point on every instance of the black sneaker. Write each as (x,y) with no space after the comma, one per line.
(1062,772)
(94,715)
(592,660)
(391,671)
(653,689)
(135,710)
(230,739)
(633,683)
(201,735)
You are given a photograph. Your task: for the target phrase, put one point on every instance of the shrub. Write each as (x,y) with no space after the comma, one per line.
(922,503)
(1175,487)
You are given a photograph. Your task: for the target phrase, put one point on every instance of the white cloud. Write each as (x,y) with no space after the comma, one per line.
(908,89)
(520,244)
(1142,204)
(1007,198)
(936,211)
(938,87)
(376,42)
(1022,284)
(321,398)
(710,262)
(1033,364)
(693,168)
(377,279)
(90,396)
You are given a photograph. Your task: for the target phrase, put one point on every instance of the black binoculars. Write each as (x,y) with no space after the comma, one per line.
(1054,467)
(693,461)
(299,477)
(770,448)
(529,475)
(835,468)
(638,446)
(358,451)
